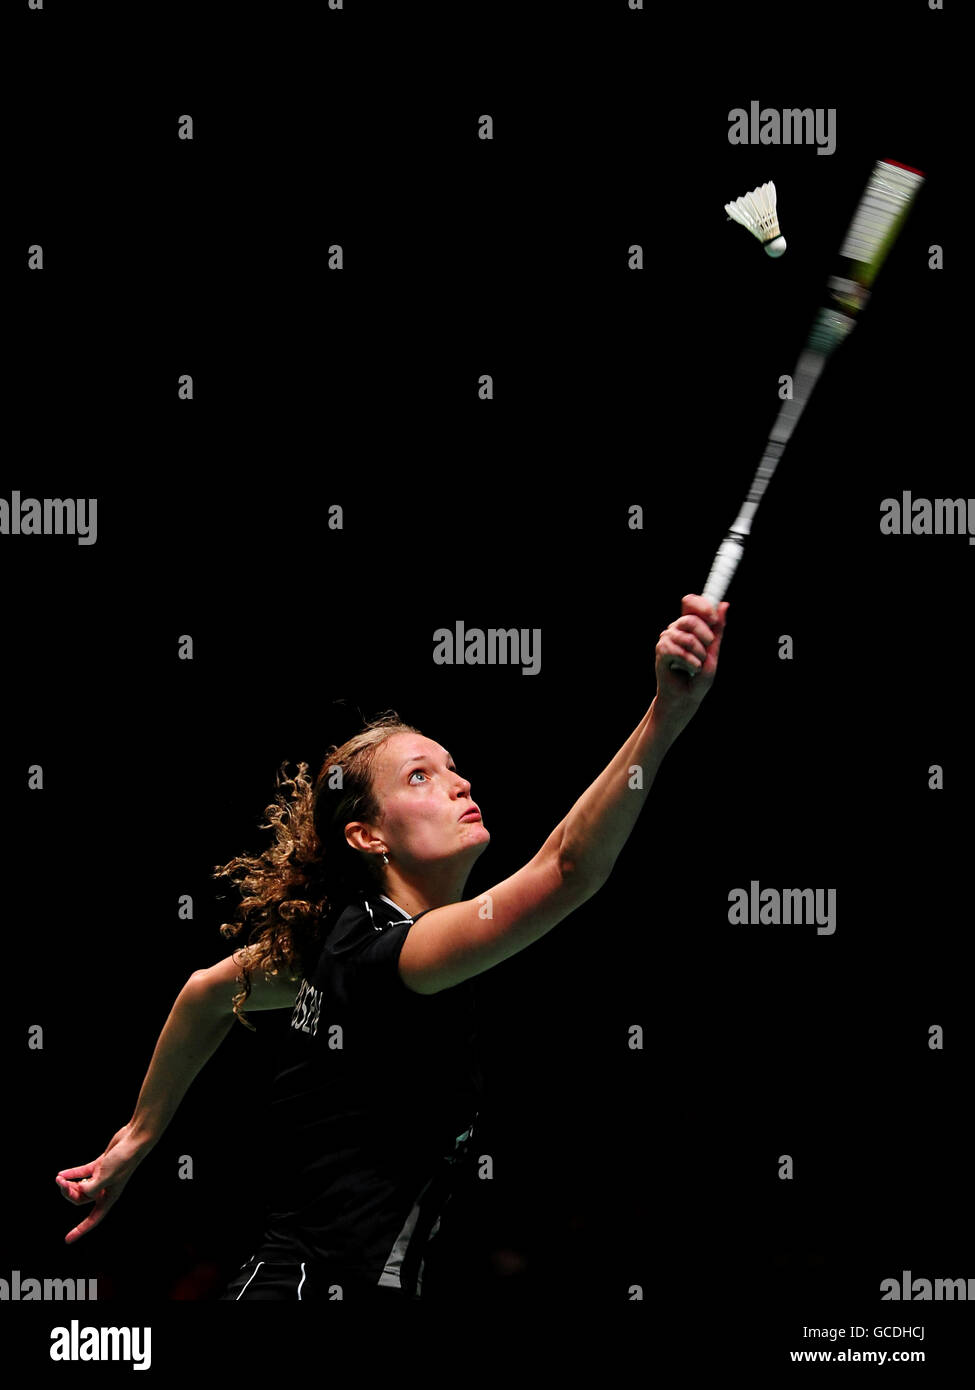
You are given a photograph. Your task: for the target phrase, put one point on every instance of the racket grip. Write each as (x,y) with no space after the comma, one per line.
(725,563)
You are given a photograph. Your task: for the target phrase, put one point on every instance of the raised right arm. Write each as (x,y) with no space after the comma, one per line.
(451,944)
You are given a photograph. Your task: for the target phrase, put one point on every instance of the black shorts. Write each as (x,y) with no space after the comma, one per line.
(304,1281)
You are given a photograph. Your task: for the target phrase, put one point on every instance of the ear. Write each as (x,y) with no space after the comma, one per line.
(359,836)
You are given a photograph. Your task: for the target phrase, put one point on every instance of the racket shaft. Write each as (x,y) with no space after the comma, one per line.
(730,551)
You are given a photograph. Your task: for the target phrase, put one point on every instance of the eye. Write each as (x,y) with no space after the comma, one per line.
(423,774)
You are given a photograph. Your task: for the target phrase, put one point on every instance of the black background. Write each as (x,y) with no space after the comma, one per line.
(613,1167)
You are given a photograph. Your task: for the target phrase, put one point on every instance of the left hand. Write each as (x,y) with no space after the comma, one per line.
(694,641)
(102,1181)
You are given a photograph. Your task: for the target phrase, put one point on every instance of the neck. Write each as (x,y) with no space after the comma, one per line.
(435,888)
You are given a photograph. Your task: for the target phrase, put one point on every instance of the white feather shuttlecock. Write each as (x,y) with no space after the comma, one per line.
(757,212)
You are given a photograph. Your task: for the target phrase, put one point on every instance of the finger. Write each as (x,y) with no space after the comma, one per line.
(83,1170)
(89,1184)
(90,1221)
(80,1199)
(718,628)
(683,659)
(81,1230)
(80,1183)
(695,625)
(696,605)
(717,617)
(690,643)
(77,1194)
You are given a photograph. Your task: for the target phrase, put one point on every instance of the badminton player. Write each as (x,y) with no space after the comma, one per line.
(355,920)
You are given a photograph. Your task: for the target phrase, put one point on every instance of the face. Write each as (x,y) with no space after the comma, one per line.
(423,797)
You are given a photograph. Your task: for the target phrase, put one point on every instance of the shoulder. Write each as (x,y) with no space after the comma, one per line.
(353,924)
(363,923)
(365,941)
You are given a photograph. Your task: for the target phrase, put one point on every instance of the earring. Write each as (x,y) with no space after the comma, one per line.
(385,857)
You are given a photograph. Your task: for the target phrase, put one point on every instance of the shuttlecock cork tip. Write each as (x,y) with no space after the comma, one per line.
(776,247)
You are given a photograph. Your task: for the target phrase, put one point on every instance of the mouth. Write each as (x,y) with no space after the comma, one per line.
(472,814)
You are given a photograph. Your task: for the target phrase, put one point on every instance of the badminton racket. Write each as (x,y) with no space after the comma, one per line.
(884,205)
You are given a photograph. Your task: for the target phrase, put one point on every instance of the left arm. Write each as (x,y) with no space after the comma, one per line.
(222,981)
(198,1022)
(201,1018)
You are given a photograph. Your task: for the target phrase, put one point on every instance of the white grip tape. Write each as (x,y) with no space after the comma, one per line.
(725,564)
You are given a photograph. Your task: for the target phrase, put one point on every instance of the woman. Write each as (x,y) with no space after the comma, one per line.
(356,922)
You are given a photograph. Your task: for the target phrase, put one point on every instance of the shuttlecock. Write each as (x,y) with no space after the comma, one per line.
(757,212)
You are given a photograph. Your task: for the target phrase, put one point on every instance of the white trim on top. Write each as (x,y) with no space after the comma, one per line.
(396,905)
